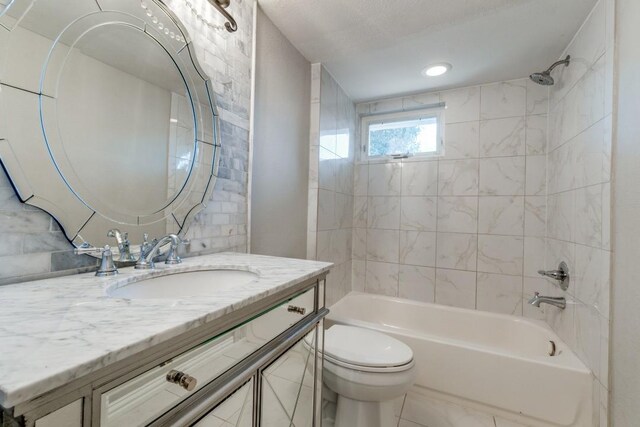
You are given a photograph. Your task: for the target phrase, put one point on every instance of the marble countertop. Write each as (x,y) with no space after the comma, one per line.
(56,330)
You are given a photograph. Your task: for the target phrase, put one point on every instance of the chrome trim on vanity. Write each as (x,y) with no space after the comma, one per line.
(190,411)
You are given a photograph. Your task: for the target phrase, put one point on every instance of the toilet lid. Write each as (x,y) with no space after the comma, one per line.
(364,347)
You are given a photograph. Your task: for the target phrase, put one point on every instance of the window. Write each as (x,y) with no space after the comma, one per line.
(409,133)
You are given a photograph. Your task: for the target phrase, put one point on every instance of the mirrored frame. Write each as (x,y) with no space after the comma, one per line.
(27,116)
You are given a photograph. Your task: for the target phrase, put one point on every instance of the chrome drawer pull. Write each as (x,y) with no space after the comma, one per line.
(185,381)
(296,309)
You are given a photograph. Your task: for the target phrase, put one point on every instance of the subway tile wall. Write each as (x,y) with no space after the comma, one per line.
(578,182)
(465,229)
(331,166)
(32,244)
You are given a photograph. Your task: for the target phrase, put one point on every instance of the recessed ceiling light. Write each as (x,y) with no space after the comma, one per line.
(436,69)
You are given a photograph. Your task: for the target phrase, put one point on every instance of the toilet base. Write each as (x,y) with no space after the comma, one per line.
(356,413)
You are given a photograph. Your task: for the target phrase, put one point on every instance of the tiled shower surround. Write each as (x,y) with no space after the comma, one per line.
(331,166)
(579,176)
(32,245)
(462,229)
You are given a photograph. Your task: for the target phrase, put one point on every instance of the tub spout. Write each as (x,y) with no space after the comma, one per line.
(556,302)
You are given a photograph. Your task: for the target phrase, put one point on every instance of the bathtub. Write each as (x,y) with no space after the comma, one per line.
(492,362)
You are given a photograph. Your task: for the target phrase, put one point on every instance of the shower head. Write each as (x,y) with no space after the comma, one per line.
(544,78)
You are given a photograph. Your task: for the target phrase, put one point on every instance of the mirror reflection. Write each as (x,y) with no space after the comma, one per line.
(124,120)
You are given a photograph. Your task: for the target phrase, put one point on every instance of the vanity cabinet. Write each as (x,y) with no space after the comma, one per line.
(260,366)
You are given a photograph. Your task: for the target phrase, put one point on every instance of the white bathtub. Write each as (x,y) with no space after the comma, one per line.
(489,361)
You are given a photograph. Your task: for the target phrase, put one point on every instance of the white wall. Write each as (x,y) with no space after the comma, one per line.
(280,148)
(625,338)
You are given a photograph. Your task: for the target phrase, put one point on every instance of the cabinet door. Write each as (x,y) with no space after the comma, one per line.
(142,399)
(235,411)
(288,386)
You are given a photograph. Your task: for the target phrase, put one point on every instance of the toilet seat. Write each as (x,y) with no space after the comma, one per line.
(366,350)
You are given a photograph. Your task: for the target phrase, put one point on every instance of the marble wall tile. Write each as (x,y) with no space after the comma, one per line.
(501,215)
(360,211)
(12,243)
(385,179)
(25,265)
(503,176)
(462,105)
(503,137)
(537,98)
(418,213)
(588,216)
(590,278)
(344,176)
(588,326)
(587,46)
(499,293)
(383,245)
(458,178)
(361,180)
(327,218)
(457,251)
(419,178)
(358,275)
(534,250)
(420,100)
(560,172)
(458,214)
(606,216)
(417,283)
(456,288)
(359,244)
(536,176)
(384,212)
(591,155)
(382,278)
(327,174)
(536,134)
(535,216)
(500,254)
(462,141)
(418,248)
(344,210)
(505,99)
(35,243)
(557,251)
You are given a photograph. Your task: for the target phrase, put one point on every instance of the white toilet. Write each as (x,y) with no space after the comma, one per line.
(367,370)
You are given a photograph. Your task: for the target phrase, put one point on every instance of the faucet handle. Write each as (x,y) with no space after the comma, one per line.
(172,256)
(107,267)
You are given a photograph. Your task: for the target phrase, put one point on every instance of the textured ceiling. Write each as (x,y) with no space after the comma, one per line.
(378,48)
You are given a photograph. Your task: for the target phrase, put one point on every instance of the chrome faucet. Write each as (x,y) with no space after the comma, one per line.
(538,299)
(124,246)
(107,267)
(146,256)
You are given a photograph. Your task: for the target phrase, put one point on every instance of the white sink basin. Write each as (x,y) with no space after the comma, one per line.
(181,285)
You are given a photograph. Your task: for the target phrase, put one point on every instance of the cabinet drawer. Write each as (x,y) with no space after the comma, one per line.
(142,399)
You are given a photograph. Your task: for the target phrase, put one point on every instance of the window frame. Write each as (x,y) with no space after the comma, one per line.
(366,121)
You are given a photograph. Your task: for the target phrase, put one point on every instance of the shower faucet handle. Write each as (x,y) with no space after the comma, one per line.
(561,275)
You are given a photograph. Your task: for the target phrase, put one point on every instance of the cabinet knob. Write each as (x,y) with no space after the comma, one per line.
(296,309)
(185,381)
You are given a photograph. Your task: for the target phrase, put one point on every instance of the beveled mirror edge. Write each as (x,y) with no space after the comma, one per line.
(38,197)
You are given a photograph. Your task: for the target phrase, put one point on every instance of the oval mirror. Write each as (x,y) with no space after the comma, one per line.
(107,120)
